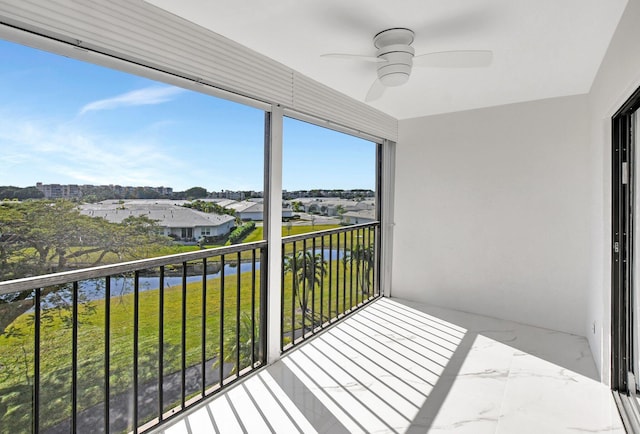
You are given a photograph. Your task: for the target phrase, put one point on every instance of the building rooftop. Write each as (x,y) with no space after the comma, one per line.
(166,214)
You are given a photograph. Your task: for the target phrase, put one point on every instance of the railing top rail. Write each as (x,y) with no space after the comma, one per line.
(29,283)
(306,236)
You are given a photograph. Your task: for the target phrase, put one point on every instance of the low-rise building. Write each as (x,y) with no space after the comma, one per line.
(177,222)
(358,217)
(254,210)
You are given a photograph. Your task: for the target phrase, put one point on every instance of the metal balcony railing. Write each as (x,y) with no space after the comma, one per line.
(124,347)
(325,276)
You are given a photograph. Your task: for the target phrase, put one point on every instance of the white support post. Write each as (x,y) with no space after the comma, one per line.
(273,231)
(387,194)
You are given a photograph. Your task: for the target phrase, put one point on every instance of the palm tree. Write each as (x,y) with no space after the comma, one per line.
(247,345)
(364,258)
(307,269)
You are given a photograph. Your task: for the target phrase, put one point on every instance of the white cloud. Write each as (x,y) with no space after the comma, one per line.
(35,150)
(145,96)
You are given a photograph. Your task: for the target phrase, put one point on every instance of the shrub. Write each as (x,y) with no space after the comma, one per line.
(241,232)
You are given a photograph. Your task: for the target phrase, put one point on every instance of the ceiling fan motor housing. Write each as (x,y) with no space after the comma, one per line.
(394,47)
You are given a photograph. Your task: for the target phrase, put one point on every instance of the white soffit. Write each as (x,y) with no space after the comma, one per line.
(542,49)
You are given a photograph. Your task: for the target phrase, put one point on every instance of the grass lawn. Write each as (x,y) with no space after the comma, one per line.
(257,234)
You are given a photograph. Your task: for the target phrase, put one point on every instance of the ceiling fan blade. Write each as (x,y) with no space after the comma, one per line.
(359,57)
(455,59)
(375,91)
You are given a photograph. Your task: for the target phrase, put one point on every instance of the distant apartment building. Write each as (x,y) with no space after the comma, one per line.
(236,195)
(124,190)
(74,191)
(60,191)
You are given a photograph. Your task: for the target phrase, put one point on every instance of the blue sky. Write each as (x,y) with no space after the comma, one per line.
(69,122)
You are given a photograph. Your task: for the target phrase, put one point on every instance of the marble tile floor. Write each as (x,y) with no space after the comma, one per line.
(397,366)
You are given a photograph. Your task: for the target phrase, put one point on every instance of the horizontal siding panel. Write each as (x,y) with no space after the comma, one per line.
(142,33)
(148,35)
(314,98)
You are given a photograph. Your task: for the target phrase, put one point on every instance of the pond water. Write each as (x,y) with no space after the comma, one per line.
(93,289)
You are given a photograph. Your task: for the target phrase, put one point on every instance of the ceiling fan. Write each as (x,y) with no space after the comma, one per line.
(395,58)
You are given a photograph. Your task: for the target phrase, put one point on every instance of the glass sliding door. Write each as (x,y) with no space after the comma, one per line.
(634,374)
(625,261)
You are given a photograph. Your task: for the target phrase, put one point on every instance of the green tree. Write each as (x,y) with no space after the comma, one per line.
(247,344)
(196,193)
(10,192)
(40,237)
(364,258)
(308,270)
(210,207)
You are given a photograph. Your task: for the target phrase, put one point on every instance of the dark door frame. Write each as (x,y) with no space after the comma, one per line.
(622,240)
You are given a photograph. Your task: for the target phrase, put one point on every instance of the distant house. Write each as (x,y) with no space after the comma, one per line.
(357,217)
(330,206)
(253,210)
(180,223)
(247,210)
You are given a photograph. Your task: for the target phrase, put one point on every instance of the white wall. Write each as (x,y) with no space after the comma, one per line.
(493,214)
(617,78)
(514,205)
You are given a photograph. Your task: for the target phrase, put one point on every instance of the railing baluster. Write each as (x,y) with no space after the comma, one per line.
(282,299)
(372,272)
(321,281)
(337,275)
(359,266)
(365,268)
(378,271)
(330,275)
(136,334)
(238,329)
(107,350)
(351,271)
(36,360)
(368,265)
(221,348)
(344,276)
(356,257)
(304,286)
(313,284)
(253,309)
(183,329)
(203,347)
(74,358)
(365,265)
(263,304)
(161,346)
(294,290)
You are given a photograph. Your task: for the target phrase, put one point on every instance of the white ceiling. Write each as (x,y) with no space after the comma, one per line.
(542,48)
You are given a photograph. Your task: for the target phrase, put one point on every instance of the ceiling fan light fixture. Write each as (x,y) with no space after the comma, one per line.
(394,75)
(394,79)
(396,67)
